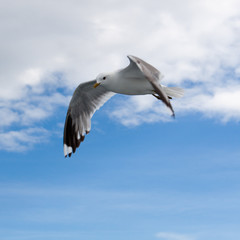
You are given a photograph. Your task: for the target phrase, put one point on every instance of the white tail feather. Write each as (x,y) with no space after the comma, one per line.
(174,91)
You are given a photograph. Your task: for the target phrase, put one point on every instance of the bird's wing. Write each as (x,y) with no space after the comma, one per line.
(152,75)
(85,101)
(134,69)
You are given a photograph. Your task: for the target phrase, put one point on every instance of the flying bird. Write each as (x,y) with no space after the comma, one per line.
(138,78)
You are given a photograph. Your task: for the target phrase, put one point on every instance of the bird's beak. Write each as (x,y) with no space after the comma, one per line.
(96,85)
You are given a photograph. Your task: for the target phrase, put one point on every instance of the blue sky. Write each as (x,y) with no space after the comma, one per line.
(139,174)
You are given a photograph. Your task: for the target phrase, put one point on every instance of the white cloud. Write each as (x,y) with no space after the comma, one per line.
(193,42)
(139,109)
(22,140)
(32,109)
(173,236)
(21,120)
(221,103)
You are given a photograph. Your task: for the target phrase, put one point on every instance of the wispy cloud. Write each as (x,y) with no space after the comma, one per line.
(23,139)
(173,236)
(39,205)
(27,113)
(133,111)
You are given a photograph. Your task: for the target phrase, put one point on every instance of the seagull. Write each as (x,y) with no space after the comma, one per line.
(138,78)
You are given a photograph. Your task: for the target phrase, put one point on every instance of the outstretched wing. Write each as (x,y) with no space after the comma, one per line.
(153,76)
(85,101)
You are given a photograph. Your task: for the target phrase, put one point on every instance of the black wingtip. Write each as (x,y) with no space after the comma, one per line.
(82,137)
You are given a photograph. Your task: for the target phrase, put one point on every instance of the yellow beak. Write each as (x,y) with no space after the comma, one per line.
(96,85)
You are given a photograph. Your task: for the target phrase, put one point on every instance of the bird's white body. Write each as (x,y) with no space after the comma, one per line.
(127,84)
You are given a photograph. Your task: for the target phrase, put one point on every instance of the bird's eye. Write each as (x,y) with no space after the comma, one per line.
(104,78)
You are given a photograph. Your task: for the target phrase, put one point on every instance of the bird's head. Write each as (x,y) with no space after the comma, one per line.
(100,79)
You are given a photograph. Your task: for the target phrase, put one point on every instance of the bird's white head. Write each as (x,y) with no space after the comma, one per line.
(101,78)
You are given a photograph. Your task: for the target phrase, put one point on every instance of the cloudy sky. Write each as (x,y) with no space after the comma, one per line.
(139,174)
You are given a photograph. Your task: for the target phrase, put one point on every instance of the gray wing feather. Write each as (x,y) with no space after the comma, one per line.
(153,76)
(85,101)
